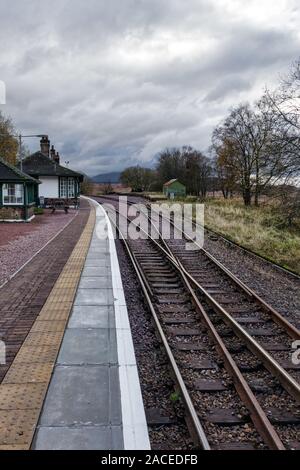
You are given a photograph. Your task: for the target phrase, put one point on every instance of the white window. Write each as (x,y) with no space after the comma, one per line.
(71,187)
(13,194)
(67,187)
(63,187)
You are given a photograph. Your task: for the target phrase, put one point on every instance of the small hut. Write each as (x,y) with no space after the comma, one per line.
(174,188)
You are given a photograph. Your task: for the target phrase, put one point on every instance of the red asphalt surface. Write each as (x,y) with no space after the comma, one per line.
(20,241)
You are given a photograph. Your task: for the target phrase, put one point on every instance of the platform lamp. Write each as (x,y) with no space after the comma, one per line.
(20,137)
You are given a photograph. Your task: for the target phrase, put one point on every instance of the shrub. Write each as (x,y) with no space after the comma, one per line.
(38,210)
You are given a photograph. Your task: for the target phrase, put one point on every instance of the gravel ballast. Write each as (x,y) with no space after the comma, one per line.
(156,383)
(237,266)
(279,289)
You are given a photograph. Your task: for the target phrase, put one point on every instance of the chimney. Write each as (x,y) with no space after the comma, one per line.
(57,158)
(45,145)
(52,153)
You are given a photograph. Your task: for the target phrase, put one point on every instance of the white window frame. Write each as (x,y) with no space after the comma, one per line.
(71,187)
(63,187)
(19,192)
(66,186)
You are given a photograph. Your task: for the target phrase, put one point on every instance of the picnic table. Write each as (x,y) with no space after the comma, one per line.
(62,204)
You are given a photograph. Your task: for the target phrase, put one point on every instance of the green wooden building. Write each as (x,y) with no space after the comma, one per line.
(18,194)
(57,181)
(174,188)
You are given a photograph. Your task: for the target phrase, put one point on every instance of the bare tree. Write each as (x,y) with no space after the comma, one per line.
(171,164)
(285,104)
(286,99)
(225,169)
(138,178)
(254,146)
(237,132)
(187,164)
(270,159)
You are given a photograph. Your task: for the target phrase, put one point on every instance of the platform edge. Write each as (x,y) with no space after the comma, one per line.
(135,429)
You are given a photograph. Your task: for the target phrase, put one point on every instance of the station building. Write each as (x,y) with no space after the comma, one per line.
(18,193)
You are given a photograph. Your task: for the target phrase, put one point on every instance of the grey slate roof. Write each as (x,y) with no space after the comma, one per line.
(39,164)
(11,174)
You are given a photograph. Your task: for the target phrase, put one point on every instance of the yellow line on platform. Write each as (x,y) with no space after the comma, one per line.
(25,385)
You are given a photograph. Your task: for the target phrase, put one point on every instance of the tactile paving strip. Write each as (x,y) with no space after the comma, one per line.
(24,387)
(43,326)
(13,447)
(35,354)
(27,396)
(56,312)
(27,373)
(46,339)
(17,427)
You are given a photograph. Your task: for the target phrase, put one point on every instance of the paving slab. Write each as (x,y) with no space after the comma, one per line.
(93,262)
(93,271)
(92,316)
(94,399)
(94,296)
(88,346)
(98,255)
(74,397)
(87,438)
(95,282)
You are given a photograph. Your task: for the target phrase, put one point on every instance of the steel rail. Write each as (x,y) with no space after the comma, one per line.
(286,380)
(258,416)
(197,432)
(291,330)
(286,271)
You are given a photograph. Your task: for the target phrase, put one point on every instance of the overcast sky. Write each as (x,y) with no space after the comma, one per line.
(113,82)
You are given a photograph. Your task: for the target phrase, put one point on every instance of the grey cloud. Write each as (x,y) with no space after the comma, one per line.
(227,86)
(114,82)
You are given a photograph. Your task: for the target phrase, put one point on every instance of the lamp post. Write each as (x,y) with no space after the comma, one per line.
(20,137)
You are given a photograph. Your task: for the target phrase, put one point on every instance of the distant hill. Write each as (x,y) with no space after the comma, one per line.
(113,177)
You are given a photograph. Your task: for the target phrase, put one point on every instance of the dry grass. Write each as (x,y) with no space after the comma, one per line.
(155,196)
(256,228)
(260,229)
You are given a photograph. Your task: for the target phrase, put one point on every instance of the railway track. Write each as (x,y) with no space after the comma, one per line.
(214,235)
(228,350)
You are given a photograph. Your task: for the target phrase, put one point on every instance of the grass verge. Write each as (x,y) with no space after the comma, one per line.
(256,228)
(259,229)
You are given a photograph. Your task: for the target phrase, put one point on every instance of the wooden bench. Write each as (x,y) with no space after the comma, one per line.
(62,204)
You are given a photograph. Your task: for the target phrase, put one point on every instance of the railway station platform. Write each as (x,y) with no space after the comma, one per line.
(80,385)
